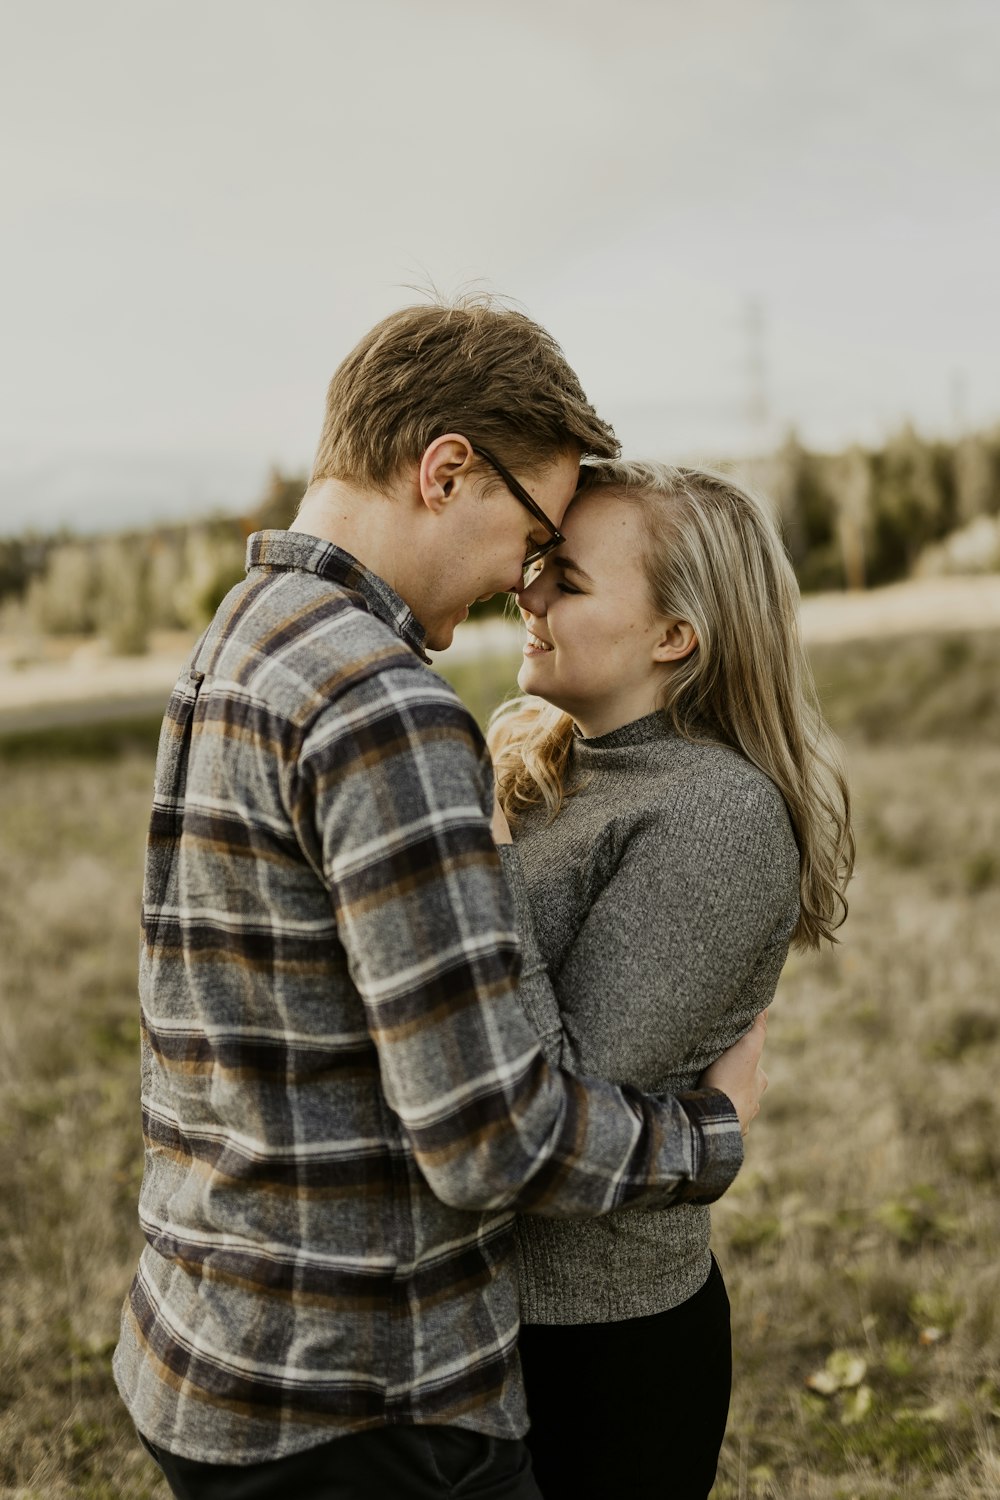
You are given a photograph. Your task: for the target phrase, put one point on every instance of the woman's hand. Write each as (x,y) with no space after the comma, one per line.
(738,1073)
(501,828)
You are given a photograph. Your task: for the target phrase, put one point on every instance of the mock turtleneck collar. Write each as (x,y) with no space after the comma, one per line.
(654,726)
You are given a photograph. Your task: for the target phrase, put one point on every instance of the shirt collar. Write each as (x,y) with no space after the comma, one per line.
(310,554)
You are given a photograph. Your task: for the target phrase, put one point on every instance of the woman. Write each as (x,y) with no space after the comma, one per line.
(681,816)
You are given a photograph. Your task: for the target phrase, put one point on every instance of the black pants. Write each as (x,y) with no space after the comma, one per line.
(634,1409)
(389,1463)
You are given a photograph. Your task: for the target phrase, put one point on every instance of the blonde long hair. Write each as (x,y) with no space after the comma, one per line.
(713,557)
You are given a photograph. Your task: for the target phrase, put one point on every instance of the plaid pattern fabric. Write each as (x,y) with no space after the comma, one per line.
(343,1103)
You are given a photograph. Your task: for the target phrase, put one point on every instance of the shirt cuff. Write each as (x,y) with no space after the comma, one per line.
(719,1144)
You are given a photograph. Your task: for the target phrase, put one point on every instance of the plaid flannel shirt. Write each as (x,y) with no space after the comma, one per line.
(343,1102)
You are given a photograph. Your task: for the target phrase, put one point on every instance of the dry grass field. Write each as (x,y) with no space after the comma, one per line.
(859,1243)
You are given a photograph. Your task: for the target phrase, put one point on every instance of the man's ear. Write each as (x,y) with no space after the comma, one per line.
(445,465)
(677,640)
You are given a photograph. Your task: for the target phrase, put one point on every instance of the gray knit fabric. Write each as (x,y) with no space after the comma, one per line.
(663,898)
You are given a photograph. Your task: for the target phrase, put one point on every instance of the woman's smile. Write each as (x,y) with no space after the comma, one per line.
(535,646)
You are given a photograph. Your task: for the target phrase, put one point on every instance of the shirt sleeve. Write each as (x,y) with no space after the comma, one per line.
(395,784)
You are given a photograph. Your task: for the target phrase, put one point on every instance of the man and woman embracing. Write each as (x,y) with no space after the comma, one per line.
(445,1053)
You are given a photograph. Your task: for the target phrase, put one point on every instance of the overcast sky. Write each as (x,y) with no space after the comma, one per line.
(735,215)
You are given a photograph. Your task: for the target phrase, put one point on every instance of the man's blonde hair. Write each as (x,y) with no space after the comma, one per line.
(713,556)
(475,367)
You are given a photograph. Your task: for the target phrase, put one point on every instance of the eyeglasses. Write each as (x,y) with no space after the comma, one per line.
(556,537)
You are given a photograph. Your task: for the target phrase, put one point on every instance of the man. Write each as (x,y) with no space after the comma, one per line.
(343,1102)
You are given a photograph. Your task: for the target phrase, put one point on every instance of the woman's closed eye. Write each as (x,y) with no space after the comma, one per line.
(567,588)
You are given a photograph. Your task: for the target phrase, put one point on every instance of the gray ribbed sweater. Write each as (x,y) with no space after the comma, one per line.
(663,898)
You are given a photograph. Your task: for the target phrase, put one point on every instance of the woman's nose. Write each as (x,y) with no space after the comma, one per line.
(531,597)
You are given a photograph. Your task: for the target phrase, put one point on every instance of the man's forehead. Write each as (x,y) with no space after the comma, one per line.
(562,479)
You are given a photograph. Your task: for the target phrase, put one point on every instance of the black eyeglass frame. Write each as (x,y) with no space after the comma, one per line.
(517,489)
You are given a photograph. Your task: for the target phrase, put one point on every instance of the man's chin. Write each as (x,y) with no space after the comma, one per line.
(439,637)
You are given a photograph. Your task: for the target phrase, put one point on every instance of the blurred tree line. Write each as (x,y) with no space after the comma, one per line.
(121,587)
(850,520)
(871,516)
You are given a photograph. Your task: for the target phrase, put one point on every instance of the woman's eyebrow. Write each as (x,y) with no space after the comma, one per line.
(562,561)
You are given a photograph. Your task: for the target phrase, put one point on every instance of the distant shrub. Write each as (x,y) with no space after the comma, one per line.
(935,1311)
(982,870)
(64,599)
(963,1030)
(122,605)
(915,1218)
(749,1232)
